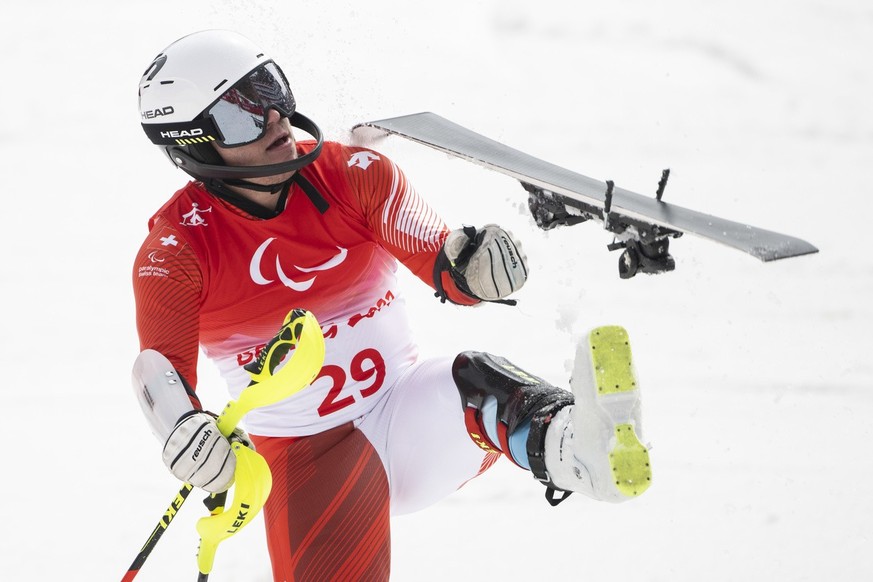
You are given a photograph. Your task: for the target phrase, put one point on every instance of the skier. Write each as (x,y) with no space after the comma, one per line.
(321,225)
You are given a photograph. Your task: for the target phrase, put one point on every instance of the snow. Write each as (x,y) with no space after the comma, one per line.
(757,380)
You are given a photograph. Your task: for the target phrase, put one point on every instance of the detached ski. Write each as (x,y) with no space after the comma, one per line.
(641,225)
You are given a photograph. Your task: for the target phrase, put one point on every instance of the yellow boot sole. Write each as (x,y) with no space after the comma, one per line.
(614,375)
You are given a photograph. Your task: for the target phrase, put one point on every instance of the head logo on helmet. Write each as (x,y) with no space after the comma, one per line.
(168,110)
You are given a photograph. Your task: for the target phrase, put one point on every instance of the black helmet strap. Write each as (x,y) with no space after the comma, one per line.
(222,189)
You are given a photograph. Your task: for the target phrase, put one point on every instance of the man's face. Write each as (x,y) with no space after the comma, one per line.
(275,146)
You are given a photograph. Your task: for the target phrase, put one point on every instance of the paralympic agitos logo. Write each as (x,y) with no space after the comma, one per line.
(258,277)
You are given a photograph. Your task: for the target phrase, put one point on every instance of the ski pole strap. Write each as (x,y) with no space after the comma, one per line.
(441,265)
(470,248)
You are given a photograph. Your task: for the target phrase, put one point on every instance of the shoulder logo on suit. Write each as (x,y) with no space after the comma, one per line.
(258,277)
(362,159)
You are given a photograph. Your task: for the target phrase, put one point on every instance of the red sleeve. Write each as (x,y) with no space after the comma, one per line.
(167,284)
(402,220)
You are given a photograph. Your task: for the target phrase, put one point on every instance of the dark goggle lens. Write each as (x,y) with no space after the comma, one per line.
(241,112)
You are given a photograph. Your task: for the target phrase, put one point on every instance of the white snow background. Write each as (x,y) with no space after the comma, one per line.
(756,377)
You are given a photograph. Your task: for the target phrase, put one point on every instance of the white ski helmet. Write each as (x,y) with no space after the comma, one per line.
(216,86)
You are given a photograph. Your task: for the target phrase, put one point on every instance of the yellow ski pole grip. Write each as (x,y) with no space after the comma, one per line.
(252,478)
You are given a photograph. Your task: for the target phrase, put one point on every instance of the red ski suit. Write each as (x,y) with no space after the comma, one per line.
(211,276)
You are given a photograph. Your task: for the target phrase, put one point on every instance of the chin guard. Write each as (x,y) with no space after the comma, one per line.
(201,170)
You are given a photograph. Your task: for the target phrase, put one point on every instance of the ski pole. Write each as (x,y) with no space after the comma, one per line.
(159,530)
(300,329)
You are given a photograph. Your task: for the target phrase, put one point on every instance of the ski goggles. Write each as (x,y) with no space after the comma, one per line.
(240,114)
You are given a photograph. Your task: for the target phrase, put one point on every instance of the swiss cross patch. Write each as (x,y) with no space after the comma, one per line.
(166,240)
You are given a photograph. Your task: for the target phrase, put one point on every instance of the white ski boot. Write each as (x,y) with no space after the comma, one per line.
(594,445)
